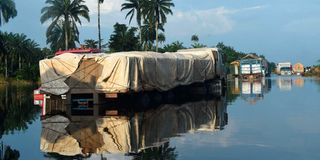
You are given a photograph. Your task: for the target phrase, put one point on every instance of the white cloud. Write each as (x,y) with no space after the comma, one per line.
(108,6)
(253,8)
(180,25)
(213,21)
(210,22)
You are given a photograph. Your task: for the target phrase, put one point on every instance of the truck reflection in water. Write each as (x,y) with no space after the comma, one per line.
(284,83)
(299,82)
(129,126)
(251,91)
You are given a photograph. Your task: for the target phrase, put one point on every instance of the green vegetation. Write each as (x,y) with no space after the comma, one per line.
(162,152)
(198,45)
(195,40)
(153,13)
(7,11)
(156,11)
(173,47)
(230,52)
(134,7)
(148,34)
(232,55)
(91,43)
(314,71)
(64,16)
(123,39)
(20,56)
(161,38)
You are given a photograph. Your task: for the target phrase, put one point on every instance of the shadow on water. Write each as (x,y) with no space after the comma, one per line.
(136,126)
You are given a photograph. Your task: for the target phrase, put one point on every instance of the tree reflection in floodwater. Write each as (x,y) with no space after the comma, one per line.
(162,152)
(16,108)
(7,153)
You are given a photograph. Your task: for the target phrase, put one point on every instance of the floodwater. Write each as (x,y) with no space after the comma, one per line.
(276,118)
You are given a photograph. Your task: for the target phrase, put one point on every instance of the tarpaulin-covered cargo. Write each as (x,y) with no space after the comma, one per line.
(128,71)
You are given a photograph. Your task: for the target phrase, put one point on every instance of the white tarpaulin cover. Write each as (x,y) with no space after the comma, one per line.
(127,71)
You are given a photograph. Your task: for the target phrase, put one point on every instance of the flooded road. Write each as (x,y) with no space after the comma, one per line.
(275,118)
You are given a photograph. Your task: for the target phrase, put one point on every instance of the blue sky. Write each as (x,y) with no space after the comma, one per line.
(282,30)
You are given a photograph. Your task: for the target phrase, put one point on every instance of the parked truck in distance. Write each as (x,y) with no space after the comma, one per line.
(284,68)
(253,67)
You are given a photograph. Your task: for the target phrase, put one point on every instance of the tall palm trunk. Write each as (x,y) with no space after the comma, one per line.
(12,63)
(19,62)
(6,65)
(99,31)
(7,96)
(157,39)
(140,36)
(66,32)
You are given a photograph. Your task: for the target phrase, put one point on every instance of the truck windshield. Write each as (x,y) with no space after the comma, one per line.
(285,69)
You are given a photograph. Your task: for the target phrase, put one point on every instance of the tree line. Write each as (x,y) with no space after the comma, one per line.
(21,54)
(65,15)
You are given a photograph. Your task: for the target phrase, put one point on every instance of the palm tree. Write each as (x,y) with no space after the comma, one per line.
(135,7)
(99,31)
(56,36)
(161,38)
(157,10)
(7,11)
(19,53)
(194,38)
(198,45)
(165,151)
(148,33)
(90,43)
(66,11)
(123,38)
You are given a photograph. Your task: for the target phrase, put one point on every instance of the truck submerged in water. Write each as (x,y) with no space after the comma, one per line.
(91,78)
(253,67)
(284,68)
